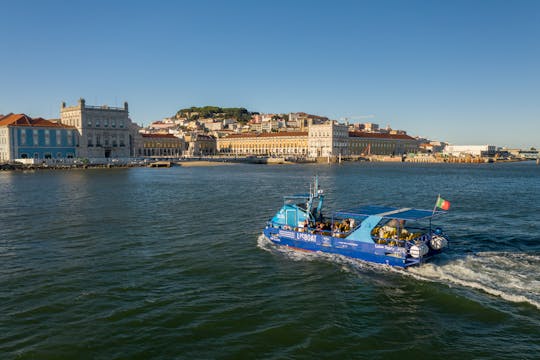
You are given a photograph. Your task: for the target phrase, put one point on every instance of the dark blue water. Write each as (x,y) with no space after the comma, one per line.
(168,263)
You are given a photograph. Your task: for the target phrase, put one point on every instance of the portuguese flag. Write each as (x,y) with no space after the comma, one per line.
(442,204)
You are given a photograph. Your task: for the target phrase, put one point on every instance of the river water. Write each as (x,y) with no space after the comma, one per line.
(169,263)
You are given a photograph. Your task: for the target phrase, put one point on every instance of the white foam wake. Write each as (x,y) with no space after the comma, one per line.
(511,276)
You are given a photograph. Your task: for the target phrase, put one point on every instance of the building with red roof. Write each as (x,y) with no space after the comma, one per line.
(161,145)
(23,137)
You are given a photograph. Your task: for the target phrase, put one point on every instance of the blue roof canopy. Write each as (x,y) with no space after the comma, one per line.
(388,212)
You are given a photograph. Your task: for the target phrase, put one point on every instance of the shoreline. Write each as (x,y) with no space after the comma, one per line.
(227,162)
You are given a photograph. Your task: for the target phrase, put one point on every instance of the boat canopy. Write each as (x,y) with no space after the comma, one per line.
(388,212)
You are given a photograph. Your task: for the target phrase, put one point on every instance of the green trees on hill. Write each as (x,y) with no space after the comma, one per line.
(239,114)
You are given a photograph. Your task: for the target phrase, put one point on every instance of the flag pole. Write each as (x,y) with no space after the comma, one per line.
(435,207)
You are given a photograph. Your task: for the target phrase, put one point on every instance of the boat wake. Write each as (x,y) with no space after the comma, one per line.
(513,277)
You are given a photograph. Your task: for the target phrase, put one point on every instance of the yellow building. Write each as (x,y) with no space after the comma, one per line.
(161,145)
(323,140)
(269,144)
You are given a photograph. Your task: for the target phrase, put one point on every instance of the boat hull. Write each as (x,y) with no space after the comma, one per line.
(371,252)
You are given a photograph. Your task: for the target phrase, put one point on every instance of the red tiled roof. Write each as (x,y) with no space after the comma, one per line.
(363,134)
(278,134)
(25,120)
(169,136)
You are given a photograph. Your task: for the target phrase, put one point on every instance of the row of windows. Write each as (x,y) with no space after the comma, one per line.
(59,155)
(176,145)
(160,152)
(105,122)
(46,135)
(263,151)
(113,140)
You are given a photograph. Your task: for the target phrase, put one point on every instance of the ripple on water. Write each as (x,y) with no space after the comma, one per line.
(168,263)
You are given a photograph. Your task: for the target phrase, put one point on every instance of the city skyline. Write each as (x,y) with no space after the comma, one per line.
(464,71)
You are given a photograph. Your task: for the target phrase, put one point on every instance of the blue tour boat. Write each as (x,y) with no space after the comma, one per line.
(381,234)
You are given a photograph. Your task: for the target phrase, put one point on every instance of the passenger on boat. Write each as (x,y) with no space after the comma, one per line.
(393,228)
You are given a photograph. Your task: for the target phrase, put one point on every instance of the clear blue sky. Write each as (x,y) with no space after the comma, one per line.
(467,72)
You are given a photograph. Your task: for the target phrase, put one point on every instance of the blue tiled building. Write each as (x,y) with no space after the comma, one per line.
(22,137)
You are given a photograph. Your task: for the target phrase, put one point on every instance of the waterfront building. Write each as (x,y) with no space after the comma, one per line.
(161,145)
(22,137)
(104,131)
(470,150)
(530,154)
(322,140)
(368,143)
(328,139)
(200,144)
(268,144)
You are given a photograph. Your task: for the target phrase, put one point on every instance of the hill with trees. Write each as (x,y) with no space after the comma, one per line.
(241,115)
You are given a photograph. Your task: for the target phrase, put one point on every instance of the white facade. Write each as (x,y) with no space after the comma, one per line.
(329,139)
(473,150)
(103,130)
(5,148)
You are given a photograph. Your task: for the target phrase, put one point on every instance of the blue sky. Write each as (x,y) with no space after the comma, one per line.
(467,72)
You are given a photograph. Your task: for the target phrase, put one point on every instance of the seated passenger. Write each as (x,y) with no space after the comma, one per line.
(395,227)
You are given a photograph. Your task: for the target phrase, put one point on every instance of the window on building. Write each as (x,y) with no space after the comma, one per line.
(35,137)
(70,138)
(113,123)
(69,155)
(36,156)
(98,123)
(98,140)
(90,138)
(58,155)
(24,156)
(121,123)
(106,123)
(47,137)
(48,156)
(23,136)
(89,123)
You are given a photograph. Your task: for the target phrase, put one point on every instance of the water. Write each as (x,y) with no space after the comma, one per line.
(168,263)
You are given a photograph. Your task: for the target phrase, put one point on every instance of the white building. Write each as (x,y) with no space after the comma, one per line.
(104,131)
(329,139)
(472,150)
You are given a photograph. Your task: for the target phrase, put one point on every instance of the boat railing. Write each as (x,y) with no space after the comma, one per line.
(407,242)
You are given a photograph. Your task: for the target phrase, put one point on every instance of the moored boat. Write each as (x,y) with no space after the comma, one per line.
(381,234)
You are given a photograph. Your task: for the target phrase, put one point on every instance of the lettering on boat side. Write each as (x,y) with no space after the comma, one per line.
(306,237)
(346,244)
(275,237)
(326,241)
(390,248)
(287,234)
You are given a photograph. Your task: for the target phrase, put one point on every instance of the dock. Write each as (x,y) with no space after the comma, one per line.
(166,164)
